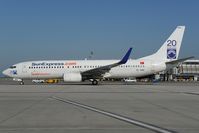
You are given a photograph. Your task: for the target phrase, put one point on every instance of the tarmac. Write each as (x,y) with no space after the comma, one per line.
(109,107)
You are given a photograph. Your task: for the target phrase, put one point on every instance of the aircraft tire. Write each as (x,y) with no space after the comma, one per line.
(21,83)
(94,82)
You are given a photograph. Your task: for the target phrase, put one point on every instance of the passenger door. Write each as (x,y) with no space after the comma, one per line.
(24,68)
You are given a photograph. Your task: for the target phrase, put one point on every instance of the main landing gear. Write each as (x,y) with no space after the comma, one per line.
(94,82)
(19,80)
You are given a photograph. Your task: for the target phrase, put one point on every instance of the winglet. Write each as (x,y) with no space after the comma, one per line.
(126,57)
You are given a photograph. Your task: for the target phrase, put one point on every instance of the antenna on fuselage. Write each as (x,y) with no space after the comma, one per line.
(91,55)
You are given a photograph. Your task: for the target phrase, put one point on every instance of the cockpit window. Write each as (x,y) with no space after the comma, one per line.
(12,67)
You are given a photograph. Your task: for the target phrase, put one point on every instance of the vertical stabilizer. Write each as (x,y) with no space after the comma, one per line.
(171,48)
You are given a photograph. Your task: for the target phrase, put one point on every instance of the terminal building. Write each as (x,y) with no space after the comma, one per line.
(185,71)
(188,70)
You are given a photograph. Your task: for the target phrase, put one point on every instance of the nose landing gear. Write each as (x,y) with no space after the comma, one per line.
(21,83)
(19,80)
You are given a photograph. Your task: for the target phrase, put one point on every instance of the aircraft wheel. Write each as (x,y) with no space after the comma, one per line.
(21,83)
(94,82)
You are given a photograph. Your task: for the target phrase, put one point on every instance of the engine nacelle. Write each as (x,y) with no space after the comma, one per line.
(72,77)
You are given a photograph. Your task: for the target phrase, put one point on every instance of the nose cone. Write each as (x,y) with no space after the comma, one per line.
(5,72)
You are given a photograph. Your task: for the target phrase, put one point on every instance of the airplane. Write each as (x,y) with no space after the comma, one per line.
(93,70)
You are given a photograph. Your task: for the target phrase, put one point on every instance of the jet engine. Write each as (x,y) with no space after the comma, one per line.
(72,77)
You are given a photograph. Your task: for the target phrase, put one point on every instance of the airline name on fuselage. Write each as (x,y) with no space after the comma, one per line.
(48,64)
(53,63)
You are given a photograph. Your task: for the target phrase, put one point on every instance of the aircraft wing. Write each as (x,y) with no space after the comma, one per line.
(100,71)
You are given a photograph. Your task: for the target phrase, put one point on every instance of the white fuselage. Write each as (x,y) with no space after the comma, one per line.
(79,70)
(57,68)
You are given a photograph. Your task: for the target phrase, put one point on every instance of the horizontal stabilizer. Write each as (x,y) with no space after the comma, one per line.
(179,60)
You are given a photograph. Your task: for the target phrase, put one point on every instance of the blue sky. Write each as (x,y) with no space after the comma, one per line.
(70,29)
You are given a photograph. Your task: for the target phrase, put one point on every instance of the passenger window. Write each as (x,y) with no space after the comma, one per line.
(12,67)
